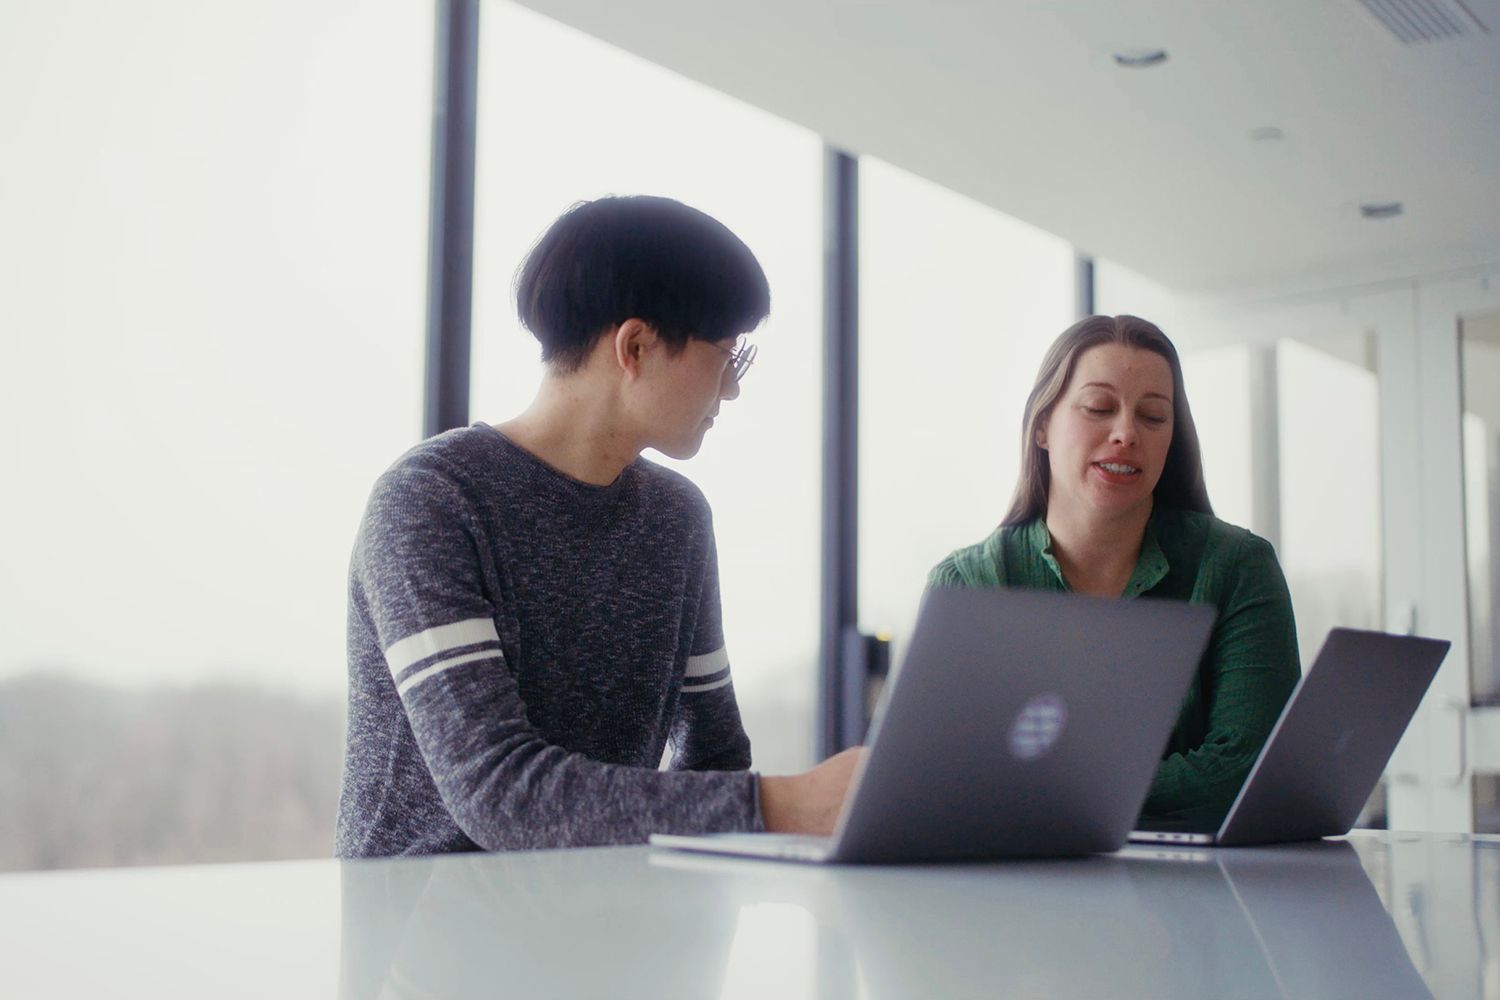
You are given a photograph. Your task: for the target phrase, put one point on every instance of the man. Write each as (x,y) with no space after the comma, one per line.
(534,608)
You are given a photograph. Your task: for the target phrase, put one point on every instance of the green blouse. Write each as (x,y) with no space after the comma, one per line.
(1247,673)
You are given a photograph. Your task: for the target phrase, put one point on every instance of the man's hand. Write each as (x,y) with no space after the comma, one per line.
(809,802)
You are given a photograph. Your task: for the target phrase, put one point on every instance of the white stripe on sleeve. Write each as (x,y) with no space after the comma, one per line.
(441,665)
(708,663)
(700,688)
(436,640)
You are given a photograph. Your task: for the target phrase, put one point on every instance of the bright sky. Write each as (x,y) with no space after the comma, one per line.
(212,318)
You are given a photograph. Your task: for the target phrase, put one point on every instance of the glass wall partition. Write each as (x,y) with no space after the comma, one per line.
(1480,342)
(564,117)
(1328,441)
(1329,444)
(1480,346)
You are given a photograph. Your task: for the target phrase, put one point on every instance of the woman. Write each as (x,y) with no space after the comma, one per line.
(1111,502)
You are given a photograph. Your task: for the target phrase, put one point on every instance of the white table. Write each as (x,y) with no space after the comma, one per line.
(1380,915)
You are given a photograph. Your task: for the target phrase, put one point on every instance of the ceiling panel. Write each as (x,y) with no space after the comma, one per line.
(1023,107)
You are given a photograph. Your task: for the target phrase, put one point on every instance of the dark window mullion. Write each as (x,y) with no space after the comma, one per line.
(840,535)
(450,244)
(1083,285)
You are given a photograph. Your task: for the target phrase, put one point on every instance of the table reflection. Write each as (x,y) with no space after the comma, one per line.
(1374,920)
(1443,891)
(565,923)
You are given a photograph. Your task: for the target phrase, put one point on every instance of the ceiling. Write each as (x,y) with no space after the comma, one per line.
(1020,105)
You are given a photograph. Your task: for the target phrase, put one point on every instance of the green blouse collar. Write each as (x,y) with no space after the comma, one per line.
(1150,567)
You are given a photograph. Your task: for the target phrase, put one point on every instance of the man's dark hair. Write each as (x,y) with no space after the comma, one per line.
(639,257)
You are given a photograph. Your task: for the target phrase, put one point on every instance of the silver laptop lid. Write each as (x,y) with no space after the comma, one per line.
(1334,737)
(1021,723)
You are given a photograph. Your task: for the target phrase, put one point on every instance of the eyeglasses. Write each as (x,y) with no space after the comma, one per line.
(741,356)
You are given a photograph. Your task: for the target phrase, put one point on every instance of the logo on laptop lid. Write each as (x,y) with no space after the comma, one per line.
(1038,726)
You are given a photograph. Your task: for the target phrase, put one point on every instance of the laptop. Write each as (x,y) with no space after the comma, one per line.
(1330,745)
(1021,724)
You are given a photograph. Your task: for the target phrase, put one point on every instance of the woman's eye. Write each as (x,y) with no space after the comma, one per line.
(1096,411)
(1152,418)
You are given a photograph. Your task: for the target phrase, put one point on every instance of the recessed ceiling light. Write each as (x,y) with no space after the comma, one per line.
(1381,209)
(1266,133)
(1140,58)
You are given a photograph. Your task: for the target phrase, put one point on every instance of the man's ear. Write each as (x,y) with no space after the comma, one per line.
(633,339)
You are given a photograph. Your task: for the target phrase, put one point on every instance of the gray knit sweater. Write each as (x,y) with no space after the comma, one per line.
(522,647)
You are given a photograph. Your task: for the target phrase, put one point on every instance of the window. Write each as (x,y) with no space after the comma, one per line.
(957,305)
(563,118)
(215,247)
